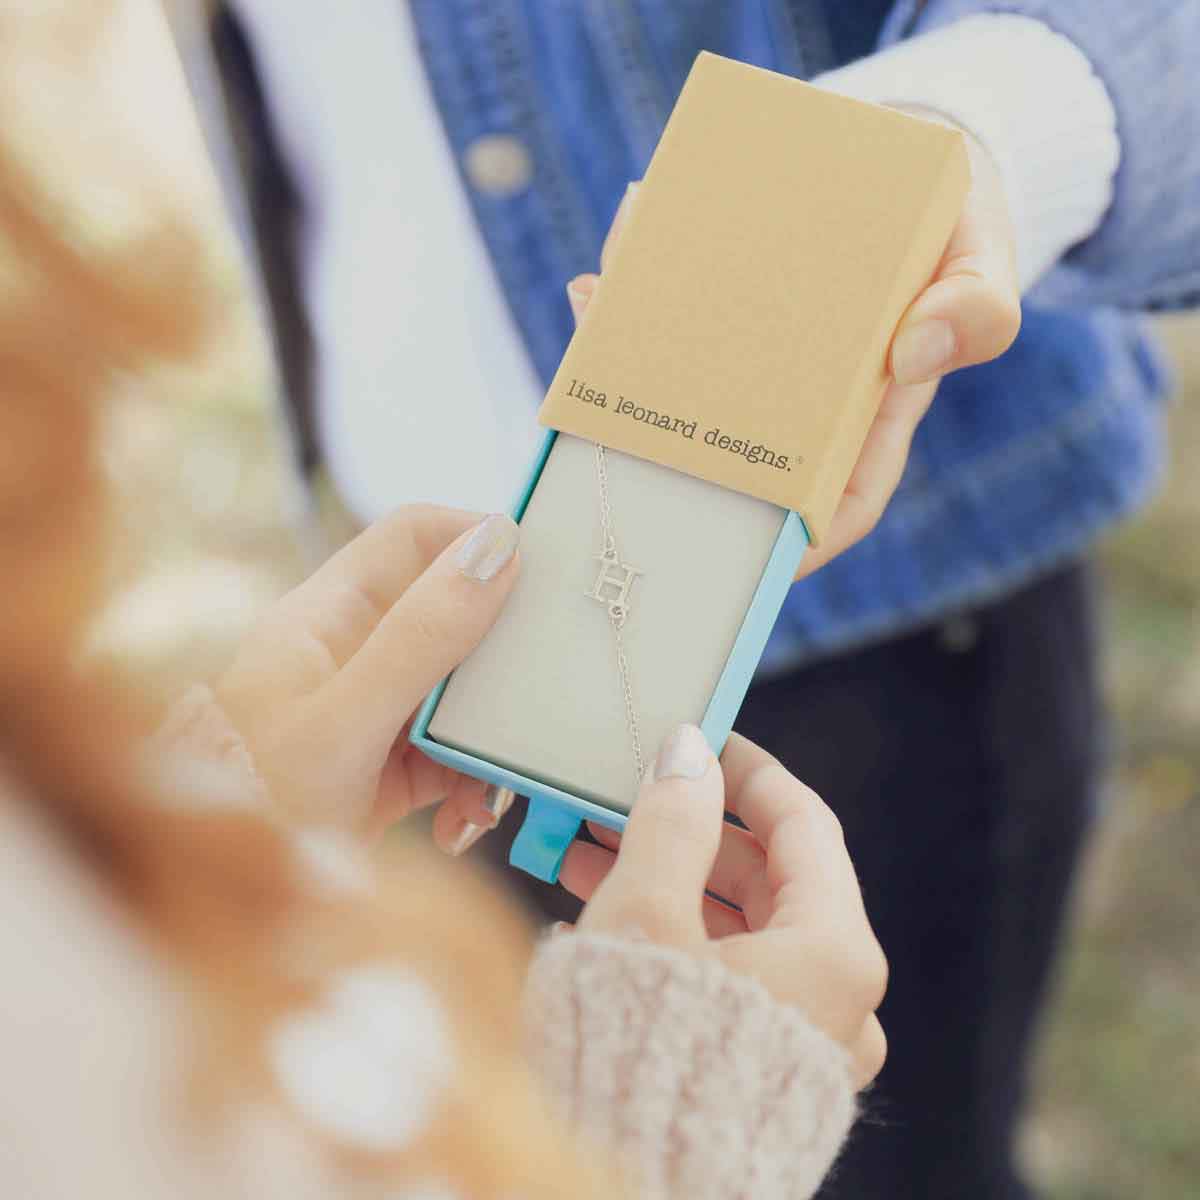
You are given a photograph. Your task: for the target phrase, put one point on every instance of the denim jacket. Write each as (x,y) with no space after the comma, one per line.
(1021,463)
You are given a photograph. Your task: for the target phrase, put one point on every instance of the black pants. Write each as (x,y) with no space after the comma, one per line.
(962,762)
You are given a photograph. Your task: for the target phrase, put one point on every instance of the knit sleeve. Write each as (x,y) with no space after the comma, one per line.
(1053,140)
(1146,252)
(700,1082)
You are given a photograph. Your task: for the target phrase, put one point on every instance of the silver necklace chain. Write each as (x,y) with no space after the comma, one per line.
(612,588)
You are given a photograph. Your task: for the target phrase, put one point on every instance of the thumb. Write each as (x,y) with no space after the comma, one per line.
(441,617)
(971,312)
(668,848)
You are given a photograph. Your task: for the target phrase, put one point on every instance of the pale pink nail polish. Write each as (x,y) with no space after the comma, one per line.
(467,837)
(579,292)
(489,549)
(498,800)
(684,755)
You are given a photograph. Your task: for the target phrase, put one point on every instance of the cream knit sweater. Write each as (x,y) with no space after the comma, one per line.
(697,1082)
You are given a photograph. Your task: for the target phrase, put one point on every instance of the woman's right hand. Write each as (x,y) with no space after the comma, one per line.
(801,931)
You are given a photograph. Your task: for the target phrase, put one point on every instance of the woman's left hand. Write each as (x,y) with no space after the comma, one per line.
(325,686)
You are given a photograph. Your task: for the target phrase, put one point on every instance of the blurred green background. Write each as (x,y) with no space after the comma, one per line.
(1117,1110)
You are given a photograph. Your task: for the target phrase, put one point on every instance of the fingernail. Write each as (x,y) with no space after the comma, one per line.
(579,292)
(559,928)
(489,549)
(923,352)
(467,837)
(684,755)
(627,199)
(498,800)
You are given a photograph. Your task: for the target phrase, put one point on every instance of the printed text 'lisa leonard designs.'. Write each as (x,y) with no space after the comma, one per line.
(754,452)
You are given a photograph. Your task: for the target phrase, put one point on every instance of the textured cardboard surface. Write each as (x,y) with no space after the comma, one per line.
(778,237)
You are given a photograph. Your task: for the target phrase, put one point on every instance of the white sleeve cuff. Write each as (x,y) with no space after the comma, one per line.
(1030,96)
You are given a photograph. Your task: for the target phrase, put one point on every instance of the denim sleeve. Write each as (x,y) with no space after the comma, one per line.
(1146,253)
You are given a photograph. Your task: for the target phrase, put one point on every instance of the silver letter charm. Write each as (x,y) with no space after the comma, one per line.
(618,577)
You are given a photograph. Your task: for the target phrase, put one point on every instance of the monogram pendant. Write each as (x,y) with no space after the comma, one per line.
(614,582)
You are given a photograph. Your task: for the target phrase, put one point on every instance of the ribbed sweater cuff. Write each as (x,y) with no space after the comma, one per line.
(702,1084)
(1031,97)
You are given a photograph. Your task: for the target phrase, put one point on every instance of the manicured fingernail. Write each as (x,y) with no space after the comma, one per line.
(489,549)
(627,199)
(559,928)
(498,800)
(579,292)
(684,755)
(467,837)
(923,352)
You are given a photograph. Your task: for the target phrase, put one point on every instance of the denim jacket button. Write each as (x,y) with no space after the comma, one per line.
(498,164)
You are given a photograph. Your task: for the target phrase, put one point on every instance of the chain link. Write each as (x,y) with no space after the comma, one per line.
(606,521)
(617,615)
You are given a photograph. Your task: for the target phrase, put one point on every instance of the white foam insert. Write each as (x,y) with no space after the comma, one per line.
(542,694)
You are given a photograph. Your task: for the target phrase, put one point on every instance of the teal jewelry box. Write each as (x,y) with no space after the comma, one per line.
(554,815)
(723,381)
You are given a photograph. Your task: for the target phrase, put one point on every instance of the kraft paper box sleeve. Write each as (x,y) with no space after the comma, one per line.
(730,363)
(778,236)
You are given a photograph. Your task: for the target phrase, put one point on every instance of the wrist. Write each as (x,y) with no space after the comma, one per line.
(690,1073)
(1053,142)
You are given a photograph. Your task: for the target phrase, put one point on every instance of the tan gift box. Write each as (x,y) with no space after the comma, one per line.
(732,360)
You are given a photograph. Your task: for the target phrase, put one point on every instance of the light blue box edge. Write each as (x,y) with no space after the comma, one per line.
(554,816)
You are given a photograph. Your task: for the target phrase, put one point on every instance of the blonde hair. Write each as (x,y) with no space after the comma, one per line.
(216,892)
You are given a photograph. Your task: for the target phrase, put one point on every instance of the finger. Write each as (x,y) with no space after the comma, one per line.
(739,874)
(618,224)
(425,634)
(808,870)
(463,817)
(971,313)
(869,1053)
(721,921)
(876,475)
(345,599)
(408,782)
(668,847)
(604,835)
(832,972)
(586,867)
(579,294)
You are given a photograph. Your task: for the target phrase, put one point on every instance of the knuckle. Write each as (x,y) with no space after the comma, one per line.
(769,780)
(408,520)
(872,1053)
(873,973)
(676,819)
(422,526)
(971,265)
(742,885)
(868,517)
(864,974)
(655,911)
(855,965)
(428,630)
(1008,322)
(863,518)
(824,818)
